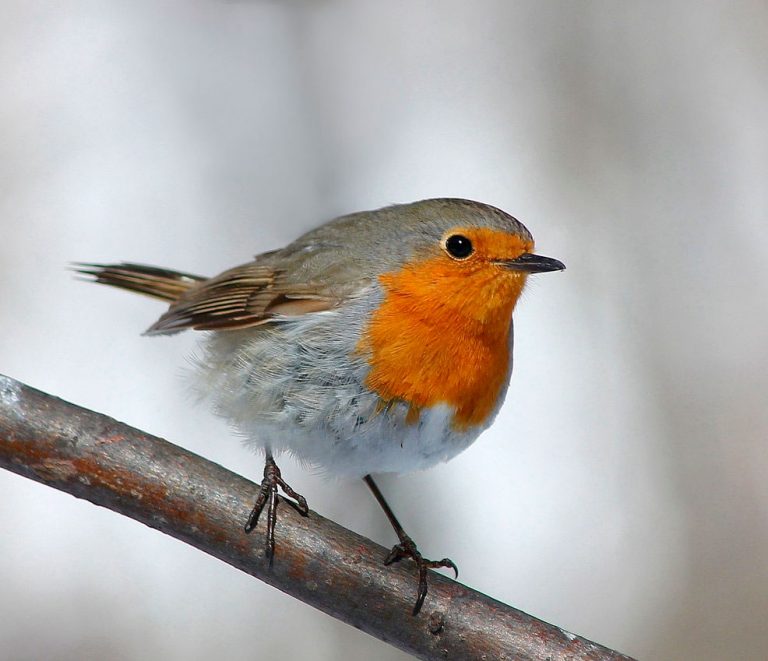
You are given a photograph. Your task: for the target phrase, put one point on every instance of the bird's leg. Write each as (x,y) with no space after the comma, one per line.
(407,548)
(268,494)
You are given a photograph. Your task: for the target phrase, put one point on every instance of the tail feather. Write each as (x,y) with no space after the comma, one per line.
(155,282)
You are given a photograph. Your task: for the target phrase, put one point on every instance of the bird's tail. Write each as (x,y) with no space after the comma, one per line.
(155,282)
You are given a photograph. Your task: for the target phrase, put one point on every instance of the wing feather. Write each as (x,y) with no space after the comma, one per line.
(245,296)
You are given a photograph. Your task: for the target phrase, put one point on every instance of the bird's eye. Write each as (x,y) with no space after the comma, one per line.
(458,246)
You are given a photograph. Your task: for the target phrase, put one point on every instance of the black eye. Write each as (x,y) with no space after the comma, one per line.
(458,246)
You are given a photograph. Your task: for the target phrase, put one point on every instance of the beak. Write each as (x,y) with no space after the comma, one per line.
(530,263)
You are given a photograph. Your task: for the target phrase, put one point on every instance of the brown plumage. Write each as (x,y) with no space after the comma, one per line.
(159,283)
(241,297)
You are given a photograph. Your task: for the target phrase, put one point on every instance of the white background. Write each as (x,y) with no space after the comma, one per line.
(622,492)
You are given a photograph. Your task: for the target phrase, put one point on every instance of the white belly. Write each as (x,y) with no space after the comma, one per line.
(298,386)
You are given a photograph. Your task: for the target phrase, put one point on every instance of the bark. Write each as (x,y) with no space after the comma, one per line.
(181,494)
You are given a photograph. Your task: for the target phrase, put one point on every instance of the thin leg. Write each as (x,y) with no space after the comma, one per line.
(407,548)
(268,494)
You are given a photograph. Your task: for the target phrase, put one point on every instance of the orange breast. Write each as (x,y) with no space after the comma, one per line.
(441,336)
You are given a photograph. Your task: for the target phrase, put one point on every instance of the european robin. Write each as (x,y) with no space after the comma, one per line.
(379,342)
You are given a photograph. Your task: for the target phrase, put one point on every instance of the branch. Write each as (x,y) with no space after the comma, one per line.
(113,465)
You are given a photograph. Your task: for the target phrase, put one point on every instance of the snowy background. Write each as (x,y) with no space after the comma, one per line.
(624,488)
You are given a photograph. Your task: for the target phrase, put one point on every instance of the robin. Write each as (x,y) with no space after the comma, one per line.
(379,342)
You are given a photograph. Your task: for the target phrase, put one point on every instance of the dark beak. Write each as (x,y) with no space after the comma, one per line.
(530,263)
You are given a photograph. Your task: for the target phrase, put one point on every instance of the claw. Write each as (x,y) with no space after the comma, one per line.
(407,549)
(397,553)
(268,494)
(450,564)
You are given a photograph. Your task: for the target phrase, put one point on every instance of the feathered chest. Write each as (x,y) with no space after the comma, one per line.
(438,339)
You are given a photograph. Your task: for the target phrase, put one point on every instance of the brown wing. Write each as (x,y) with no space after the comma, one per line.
(159,283)
(242,297)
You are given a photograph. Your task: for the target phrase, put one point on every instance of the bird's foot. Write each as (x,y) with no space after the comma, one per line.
(268,494)
(407,549)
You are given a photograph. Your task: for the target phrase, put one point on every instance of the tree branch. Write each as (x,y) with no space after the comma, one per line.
(113,465)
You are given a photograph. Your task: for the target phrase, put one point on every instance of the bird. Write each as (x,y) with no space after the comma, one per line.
(379,342)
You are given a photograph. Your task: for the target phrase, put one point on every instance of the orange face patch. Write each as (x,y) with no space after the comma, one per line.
(441,334)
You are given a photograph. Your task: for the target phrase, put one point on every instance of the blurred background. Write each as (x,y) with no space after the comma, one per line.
(622,493)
